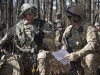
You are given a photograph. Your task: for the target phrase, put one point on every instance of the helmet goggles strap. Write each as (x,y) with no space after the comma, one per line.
(72,13)
(29,11)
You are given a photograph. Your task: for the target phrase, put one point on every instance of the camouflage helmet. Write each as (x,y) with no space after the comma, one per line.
(58,14)
(97,24)
(27,6)
(59,25)
(76,11)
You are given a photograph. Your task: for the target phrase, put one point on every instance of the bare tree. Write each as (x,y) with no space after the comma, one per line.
(1,10)
(56,5)
(46,8)
(33,1)
(10,11)
(70,2)
(98,10)
(76,1)
(92,11)
(51,9)
(20,3)
(27,1)
(44,12)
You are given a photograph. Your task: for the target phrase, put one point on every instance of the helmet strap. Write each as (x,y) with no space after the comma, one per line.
(76,18)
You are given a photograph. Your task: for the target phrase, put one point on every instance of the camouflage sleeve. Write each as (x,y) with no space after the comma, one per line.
(50,22)
(57,33)
(58,24)
(49,33)
(8,35)
(57,38)
(92,41)
(66,32)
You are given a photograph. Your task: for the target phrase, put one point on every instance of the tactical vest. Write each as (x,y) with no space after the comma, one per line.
(77,39)
(23,42)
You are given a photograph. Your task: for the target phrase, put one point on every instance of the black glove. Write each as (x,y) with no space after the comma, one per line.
(38,36)
(38,32)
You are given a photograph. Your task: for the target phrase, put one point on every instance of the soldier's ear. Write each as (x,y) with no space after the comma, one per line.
(76,19)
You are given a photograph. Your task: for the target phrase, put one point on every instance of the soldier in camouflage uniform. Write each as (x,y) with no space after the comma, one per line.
(56,22)
(97,26)
(58,37)
(84,41)
(23,32)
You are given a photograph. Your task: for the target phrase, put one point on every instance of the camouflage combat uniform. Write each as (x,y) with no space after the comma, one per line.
(97,26)
(57,23)
(54,25)
(58,37)
(85,43)
(22,32)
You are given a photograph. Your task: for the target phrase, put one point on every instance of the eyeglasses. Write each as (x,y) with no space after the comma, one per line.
(60,27)
(29,11)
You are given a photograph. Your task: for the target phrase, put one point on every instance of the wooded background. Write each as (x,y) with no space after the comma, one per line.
(10,9)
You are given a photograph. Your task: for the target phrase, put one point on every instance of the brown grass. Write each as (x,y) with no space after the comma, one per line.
(56,68)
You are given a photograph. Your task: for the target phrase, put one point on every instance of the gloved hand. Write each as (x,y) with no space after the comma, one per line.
(50,22)
(37,32)
(72,56)
(40,34)
(58,44)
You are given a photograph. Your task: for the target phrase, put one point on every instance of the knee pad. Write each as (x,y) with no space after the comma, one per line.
(41,54)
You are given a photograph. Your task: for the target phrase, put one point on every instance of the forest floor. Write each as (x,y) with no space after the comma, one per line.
(56,68)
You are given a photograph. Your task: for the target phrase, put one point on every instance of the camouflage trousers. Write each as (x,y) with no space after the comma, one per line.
(90,64)
(11,65)
(43,65)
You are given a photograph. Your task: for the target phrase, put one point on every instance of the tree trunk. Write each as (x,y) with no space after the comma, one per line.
(51,9)
(44,12)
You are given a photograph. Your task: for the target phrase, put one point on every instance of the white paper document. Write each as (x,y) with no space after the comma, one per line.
(60,56)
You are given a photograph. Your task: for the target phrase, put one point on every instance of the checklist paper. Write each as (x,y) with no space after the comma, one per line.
(60,56)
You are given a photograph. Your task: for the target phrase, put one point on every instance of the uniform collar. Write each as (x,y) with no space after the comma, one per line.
(82,23)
